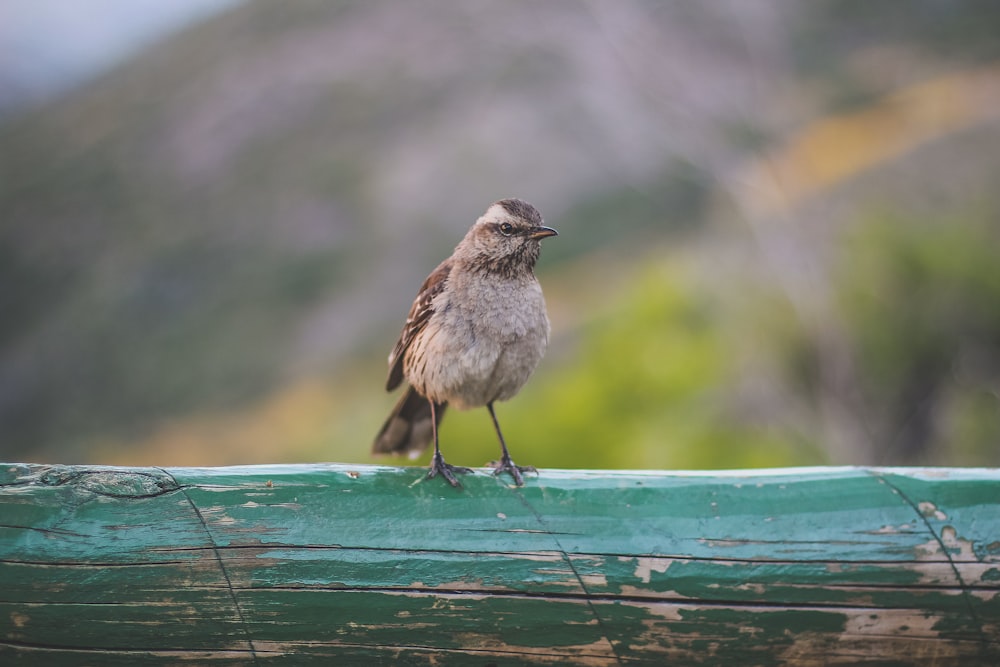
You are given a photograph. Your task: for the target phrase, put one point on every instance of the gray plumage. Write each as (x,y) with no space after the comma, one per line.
(474,335)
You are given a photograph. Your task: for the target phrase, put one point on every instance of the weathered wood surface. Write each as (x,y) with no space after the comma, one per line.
(334,564)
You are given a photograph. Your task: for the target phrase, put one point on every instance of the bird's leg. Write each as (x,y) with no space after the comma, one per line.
(506,464)
(438,466)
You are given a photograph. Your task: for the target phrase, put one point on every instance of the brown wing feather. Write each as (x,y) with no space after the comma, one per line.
(420,312)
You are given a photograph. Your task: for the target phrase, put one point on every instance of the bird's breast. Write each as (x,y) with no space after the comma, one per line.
(485,341)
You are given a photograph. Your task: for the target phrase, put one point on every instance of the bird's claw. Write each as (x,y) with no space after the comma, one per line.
(446,470)
(508,466)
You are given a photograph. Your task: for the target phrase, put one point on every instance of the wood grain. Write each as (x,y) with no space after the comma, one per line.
(370,565)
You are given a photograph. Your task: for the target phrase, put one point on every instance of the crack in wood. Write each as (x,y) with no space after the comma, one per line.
(569,561)
(222,566)
(923,518)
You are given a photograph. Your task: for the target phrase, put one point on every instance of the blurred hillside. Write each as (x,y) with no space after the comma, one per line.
(777,226)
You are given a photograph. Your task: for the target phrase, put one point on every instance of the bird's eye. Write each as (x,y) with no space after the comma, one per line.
(506,229)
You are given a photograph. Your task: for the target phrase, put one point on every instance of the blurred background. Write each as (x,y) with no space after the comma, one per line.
(778,225)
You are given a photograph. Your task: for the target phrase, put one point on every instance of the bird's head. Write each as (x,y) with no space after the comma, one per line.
(506,238)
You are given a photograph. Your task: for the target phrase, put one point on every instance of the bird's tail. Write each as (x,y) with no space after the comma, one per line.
(408,429)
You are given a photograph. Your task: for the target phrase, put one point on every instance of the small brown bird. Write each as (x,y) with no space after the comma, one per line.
(474,335)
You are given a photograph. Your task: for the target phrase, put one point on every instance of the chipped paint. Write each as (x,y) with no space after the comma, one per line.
(818,566)
(955,548)
(593,581)
(958,548)
(219,515)
(644,567)
(892,530)
(928,509)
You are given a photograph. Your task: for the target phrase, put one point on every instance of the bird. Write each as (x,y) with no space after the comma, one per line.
(473,336)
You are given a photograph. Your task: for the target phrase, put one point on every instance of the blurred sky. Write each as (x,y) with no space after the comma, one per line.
(47,46)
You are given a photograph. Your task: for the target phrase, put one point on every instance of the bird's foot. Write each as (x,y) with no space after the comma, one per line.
(446,470)
(515,471)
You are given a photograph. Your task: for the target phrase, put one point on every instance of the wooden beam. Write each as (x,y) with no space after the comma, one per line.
(341,564)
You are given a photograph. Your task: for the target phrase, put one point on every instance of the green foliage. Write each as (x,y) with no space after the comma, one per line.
(919,300)
(647,387)
(915,290)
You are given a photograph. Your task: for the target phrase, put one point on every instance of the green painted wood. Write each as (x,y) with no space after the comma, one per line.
(335,564)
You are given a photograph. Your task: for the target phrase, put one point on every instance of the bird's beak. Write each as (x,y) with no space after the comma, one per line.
(541,232)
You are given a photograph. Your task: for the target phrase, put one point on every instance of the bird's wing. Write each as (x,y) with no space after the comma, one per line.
(420,312)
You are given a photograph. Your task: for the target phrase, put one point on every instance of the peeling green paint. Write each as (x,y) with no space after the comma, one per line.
(369,565)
